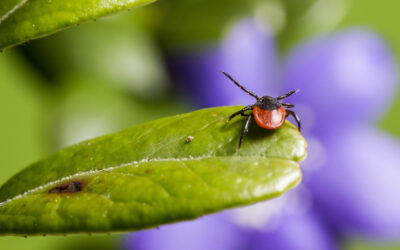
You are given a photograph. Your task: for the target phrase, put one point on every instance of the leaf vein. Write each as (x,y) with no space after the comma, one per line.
(10,12)
(95,171)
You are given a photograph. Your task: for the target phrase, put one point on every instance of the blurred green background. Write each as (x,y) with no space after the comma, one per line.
(108,75)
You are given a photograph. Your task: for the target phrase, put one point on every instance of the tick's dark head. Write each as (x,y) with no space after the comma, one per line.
(268,103)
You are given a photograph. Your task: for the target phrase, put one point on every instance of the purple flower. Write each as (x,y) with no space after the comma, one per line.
(302,231)
(246,53)
(210,232)
(344,77)
(347,79)
(356,190)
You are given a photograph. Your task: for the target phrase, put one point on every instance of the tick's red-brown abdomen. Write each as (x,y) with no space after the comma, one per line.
(269,119)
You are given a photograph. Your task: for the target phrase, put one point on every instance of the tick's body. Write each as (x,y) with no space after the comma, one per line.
(269,119)
(268,112)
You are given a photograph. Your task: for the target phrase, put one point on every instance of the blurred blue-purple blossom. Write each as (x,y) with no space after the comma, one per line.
(348,76)
(210,232)
(347,79)
(355,188)
(249,54)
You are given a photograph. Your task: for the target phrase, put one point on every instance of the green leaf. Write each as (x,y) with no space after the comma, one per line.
(151,174)
(24,20)
(23,105)
(208,18)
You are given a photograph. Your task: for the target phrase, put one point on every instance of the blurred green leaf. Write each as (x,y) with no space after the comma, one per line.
(87,107)
(60,242)
(187,23)
(22,127)
(23,122)
(300,20)
(150,175)
(208,21)
(363,244)
(23,20)
(127,56)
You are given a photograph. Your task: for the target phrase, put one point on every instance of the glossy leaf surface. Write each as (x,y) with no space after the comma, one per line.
(151,174)
(24,20)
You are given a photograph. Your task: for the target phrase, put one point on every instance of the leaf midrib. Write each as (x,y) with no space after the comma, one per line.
(63,179)
(13,10)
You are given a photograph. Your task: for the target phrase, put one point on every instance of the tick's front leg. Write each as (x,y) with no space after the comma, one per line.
(241,112)
(246,129)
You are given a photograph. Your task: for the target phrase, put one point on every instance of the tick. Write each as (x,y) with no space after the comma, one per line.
(268,112)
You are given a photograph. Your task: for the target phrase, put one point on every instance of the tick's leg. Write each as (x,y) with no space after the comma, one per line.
(240,86)
(287,105)
(246,129)
(241,112)
(296,117)
(288,94)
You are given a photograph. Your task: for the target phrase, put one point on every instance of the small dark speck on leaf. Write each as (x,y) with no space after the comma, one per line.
(189,139)
(148,171)
(25,236)
(71,187)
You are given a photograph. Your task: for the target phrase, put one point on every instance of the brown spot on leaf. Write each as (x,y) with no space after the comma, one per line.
(148,171)
(70,187)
